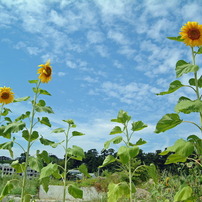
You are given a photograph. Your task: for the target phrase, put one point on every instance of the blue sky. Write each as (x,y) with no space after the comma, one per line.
(106,56)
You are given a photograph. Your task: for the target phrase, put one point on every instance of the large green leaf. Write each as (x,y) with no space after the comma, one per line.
(76,152)
(116,130)
(115,140)
(178,38)
(138,125)
(48,170)
(14,127)
(3,134)
(19,167)
(182,147)
(125,153)
(21,99)
(167,122)
(117,191)
(109,159)
(7,146)
(188,106)
(35,163)
(183,67)
(34,135)
(184,194)
(45,183)
(75,191)
(175,158)
(140,142)
(122,117)
(175,85)
(199,51)
(197,142)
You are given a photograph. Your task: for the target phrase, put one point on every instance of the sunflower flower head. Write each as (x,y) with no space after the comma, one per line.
(192,34)
(45,72)
(6,95)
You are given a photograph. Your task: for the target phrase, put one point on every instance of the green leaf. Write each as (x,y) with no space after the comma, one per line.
(183,194)
(182,147)
(69,121)
(14,127)
(44,155)
(178,38)
(167,122)
(35,163)
(41,103)
(19,167)
(45,183)
(175,158)
(76,133)
(49,142)
(43,109)
(140,142)
(21,99)
(34,135)
(48,170)
(109,159)
(45,121)
(183,67)
(23,116)
(116,130)
(41,91)
(5,112)
(75,191)
(197,142)
(118,191)
(188,106)
(33,81)
(6,189)
(76,153)
(58,130)
(3,134)
(139,125)
(7,146)
(152,171)
(122,117)
(115,140)
(83,169)
(125,153)
(193,83)
(175,85)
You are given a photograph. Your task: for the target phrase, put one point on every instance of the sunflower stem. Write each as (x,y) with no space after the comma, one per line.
(65,169)
(23,193)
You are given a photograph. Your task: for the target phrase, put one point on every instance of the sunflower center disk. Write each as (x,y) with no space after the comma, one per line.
(48,71)
(194,34)
(5,96)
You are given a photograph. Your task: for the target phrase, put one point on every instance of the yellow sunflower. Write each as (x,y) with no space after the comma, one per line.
(6,95)
(192,34)
(45,72)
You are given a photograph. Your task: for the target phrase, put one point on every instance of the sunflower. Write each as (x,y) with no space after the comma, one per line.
(6,95)
(45,72)
(192,34)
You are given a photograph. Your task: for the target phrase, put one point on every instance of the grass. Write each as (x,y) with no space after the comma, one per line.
(164,190)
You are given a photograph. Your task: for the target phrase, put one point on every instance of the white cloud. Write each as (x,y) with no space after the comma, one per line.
(61,74)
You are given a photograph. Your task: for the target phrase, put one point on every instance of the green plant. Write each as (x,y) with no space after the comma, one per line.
(125,155)
(183,150)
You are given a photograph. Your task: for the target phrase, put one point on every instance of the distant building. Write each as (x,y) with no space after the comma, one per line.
(6,169)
